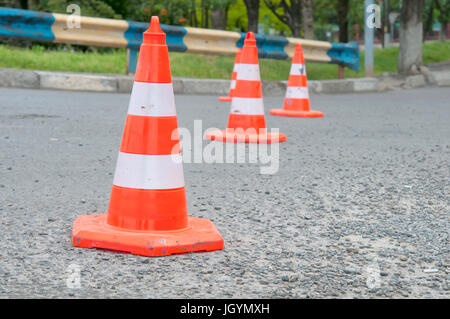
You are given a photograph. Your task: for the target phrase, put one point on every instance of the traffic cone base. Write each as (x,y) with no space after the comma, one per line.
(295,113)
(240,136)
(225,98)
(92,231)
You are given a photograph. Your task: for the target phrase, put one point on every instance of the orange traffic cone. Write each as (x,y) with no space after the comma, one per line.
(147,212)
(296,102)
(233,78)
(246,122)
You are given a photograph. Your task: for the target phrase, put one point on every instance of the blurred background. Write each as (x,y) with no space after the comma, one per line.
(324,20)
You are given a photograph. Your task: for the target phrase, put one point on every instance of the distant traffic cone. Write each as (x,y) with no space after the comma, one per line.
(246,122)
(233,78)
(147,212)
(296,102)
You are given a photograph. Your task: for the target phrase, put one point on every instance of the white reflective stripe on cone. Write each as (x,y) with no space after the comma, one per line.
(149,171)
(233,84)
(248,72)
(235,67)
(296,92)
(298,69)
(249,106)
(152,99)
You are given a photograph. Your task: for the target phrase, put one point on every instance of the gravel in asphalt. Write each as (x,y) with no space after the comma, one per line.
(358,209)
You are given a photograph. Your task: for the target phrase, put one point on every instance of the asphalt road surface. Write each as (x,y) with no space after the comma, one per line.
(359,206)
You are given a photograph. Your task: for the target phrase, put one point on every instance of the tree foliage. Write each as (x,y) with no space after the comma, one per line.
(90,8)
(279,15)
(287,12)
(174,12)
(252,14)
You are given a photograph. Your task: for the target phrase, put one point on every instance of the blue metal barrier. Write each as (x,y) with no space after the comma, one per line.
(25,24)
(269,47)
(51,27)
(346,54)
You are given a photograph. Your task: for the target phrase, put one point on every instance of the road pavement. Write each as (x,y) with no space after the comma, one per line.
(358,209)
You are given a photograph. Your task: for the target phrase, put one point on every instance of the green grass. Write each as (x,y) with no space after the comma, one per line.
(196,65)
(385,60)
(38,58)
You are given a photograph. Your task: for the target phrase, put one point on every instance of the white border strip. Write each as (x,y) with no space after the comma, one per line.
(248,106)
(298,69)
(249,72)
(297,92)
(152,99)
(149,171)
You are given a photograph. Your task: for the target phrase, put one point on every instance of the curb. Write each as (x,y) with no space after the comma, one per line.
(30,79)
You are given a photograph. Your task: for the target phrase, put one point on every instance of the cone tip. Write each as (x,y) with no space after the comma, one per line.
(154,25)
(250,36)
(299,47)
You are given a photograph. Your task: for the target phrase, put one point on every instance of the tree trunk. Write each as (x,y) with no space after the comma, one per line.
(308,19)
(443,32)
(205,14)
(206,18)
(294,15)
(219,18)
(295,29)
(428,27)
(411,29)
(17,4)
(444,11)
(342,19)
(252,15)
(291,16)
(193,21)
(386,34)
